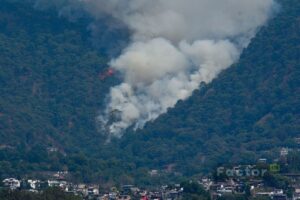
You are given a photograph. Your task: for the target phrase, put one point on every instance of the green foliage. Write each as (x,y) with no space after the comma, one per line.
(193,191)
(233,197)
(261,198)
(51,93)
(49,194)
(276,181)
(293,161)
(248,112)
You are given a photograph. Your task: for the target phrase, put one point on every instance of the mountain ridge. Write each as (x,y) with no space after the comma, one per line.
(251,109)
(51,93)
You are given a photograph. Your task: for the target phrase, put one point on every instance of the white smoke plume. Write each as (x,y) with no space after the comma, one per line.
(175,45)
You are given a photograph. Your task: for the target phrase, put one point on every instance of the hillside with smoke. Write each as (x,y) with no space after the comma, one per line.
(175,45)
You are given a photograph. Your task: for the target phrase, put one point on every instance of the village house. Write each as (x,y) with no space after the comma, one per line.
(206,183)
(11,183)
(82,189)
(33,183)
(296,194)
(61,175)
(93,190)
(284,152)
(262,161)
(57,183)
(154,172)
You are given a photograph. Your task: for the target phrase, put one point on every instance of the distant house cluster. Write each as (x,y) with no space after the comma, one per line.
(245,180)
(255,187)
(57,180)
(253,180)
(233,186)
(88,191)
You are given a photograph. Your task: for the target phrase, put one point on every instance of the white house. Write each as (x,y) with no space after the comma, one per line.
(12,183)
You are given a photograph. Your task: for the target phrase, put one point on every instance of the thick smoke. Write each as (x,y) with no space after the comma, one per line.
(175,45)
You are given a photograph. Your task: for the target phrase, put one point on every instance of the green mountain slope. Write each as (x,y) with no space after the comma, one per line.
(51,92)
(250,110)
(50,89)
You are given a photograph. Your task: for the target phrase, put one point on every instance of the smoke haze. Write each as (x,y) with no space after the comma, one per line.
(175,45)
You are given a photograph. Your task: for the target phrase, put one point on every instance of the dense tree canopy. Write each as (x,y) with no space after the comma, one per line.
(49,194)
(251,110)
(51,93)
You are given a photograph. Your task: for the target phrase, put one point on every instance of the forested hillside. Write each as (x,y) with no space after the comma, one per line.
(248,112)
(52,89)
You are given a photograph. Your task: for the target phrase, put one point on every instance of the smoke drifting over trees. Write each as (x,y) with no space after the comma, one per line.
(175,45)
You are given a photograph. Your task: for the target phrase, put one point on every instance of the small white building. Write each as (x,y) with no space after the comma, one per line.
(284,152)
(12,183)
(154,172)
(93,190)
(56,183)
(82,189)
(296,195)
(34,184)
(53,183)
(262,161)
